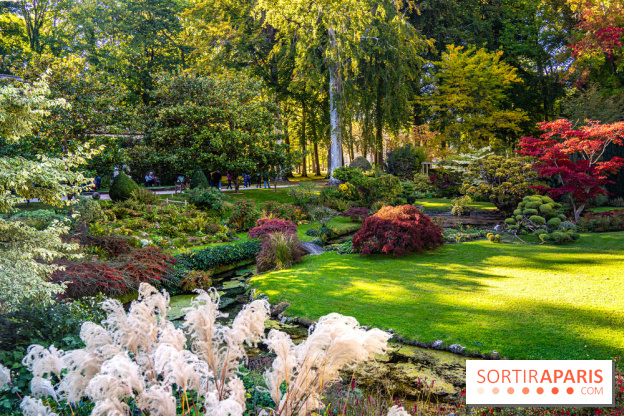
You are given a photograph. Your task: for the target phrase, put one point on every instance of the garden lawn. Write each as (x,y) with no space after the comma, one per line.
(443,204)
(261,195)
(604,209)
(524,301)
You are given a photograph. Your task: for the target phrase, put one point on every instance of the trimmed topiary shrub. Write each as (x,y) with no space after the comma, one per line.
(266,226)
(199,180)
(361,163)
(539,215)
(213,257)
(397,231)
(122,188)
(494,238)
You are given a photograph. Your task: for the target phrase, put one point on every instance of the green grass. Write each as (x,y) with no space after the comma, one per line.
(525,301)
(604,209)
(443,204)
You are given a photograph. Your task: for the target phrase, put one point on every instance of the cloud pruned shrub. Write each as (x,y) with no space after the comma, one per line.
(398,231)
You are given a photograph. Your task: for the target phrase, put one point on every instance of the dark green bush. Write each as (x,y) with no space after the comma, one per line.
(210,199)
(122,188)
(212,257)
(199,180)
(405,161)
(361,163)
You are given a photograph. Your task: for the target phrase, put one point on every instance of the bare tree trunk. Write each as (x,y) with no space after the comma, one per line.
(335,92)
(304,164)
(316,159)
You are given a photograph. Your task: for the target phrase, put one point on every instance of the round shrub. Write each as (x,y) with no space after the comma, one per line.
(245,213)
(199,180)
(540,232)
(553,223)
(267,226)
(533,205)
(546,208)
(361,163)
(537,219)
(568,226)
(88,210)
(494,238)
(206,198)
(422,183)
(510,221)
(529,212)
(519,218)
(517,212)
(397,231)
(562,217)
(544,237)
(122,188)
(575,236)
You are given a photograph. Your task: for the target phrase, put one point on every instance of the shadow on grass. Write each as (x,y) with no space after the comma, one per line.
(532,302)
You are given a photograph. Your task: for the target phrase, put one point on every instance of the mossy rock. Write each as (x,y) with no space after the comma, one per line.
(122,188)
(199,180)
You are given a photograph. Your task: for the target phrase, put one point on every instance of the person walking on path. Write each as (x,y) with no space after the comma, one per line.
(216,179)
(229,178)
(258,180)
(98,182)
(265,178)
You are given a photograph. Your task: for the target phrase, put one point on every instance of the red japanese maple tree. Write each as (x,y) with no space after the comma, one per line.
(574,156)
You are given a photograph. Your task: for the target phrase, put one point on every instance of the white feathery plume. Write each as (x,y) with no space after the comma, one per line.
(236,390)
(5,376)
(227,407)
(158,401)
(81,366)
(117,324)
(182,368)
(284,364)
(41,361)
(94,336)
(118,377)
(248,326)
(398,411)
(172,336)
(110,407)
(42,387)
(35,407)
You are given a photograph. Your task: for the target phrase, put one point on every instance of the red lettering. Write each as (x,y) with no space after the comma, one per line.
(546,376)
(558,374)
(506,374)
(532,375)
(481,375)
(569,376)
(517,371)
(488,376)
(581,376)
(598,376)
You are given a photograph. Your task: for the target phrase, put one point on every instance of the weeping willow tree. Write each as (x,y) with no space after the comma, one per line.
(331,38)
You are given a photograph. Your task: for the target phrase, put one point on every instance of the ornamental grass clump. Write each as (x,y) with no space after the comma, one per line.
(398,231)
(279,251)
(139,363)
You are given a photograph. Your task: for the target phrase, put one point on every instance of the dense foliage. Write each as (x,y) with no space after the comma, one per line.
(279,251)
(598,222)
(266,226)
(397,231)
(122,188)
(213,257)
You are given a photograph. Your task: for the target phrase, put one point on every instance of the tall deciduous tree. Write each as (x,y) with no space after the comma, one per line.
(327,37)
(213,122)
(467,101)
(574,157)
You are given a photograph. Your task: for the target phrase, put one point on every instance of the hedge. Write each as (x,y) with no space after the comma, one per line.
(213,257)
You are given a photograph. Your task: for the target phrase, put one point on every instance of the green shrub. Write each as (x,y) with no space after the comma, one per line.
(209,199)
(199,180)
(422,183)
(245,212)
(517,212)
(544,237)
(553,223)
(304,193)
(361,163)
(39,219)
(145,197)
(88,210)
(529,212)
(537,219)
(460,205)
(494,238)
(122,188)
(546,208)
(568,226)
(405,161)
(510,221)
(347,173)
(213,257)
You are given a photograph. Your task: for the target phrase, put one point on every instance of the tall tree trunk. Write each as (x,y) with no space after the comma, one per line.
(304,164)
(351,144)
(335,95)
(316,160)
(379,115)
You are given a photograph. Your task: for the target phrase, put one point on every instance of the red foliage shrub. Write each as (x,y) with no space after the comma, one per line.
(113,245)
(88,279)
(397,230)
(357,214)
(121,275)
(266,226)
(600,222)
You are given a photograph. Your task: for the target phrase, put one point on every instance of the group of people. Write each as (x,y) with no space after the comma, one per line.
(151,179)
(259,177)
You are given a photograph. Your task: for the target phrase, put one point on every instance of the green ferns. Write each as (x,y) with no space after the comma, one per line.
(540,215)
